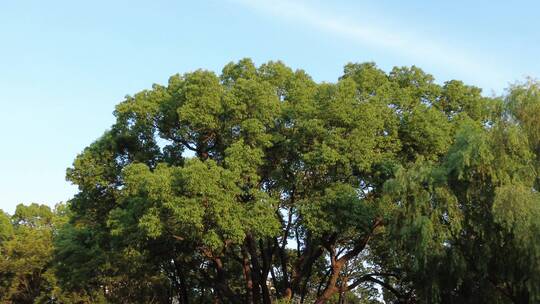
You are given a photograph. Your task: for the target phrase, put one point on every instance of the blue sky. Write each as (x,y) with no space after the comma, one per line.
(65,64)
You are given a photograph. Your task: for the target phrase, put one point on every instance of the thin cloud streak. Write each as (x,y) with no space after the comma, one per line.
(398,41)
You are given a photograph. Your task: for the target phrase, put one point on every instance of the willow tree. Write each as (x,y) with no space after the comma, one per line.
(260,185)
(469,226)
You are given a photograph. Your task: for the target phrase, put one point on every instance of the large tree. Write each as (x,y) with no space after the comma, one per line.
(260,185)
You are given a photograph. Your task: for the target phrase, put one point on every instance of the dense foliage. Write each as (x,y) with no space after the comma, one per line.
(262,186)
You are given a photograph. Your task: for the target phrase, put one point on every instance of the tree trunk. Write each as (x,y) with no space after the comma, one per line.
(247,276)
(331,288)
(222,288)
(256,269)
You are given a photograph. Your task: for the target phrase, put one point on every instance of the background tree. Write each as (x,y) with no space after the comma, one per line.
(26,256)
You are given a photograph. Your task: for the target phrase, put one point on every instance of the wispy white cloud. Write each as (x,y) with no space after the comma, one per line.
(401,41)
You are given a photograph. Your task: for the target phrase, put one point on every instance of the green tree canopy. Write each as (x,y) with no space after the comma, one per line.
(261,185)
